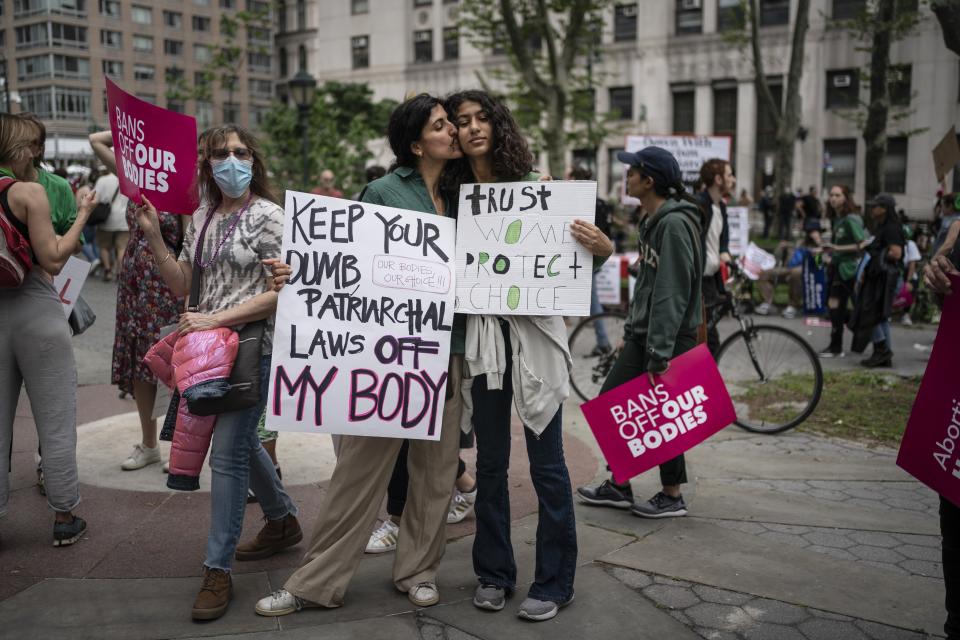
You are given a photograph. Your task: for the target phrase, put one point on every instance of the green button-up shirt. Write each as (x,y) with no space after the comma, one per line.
(404,188)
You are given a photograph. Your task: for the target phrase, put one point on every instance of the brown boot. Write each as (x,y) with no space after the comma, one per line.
(275,536)
(214,596)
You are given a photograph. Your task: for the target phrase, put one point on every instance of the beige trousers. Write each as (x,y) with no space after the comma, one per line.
(350,508)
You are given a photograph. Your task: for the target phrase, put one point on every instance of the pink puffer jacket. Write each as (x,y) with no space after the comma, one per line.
(190,361)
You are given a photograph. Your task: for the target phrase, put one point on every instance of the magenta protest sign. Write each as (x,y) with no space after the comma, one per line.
(930,449)
(156,151)
(639,426)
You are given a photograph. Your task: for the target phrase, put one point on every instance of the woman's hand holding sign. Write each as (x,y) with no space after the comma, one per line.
(281,272)
(590,236)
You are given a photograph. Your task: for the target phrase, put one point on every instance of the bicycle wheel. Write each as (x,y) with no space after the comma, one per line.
(773,377)
(593,355)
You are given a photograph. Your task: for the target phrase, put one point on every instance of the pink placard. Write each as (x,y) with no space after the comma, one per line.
(930,449)
(156,151)
(638,426)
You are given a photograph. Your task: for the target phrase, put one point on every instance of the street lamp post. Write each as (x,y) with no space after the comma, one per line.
(303,88)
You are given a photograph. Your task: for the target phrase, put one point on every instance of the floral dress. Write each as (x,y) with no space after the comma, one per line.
(144,302)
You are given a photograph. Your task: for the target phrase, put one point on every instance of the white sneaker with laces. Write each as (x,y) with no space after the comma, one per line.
(424,594)
(384,538)
(140,457)
(790,312)
(461,505)
(281,603)
(763,309)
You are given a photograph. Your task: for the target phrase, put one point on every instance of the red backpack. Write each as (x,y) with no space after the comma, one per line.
(15,260)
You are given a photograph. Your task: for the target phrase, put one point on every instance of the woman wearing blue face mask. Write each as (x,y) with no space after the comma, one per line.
(238,225)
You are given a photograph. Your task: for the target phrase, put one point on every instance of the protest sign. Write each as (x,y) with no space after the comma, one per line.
(362,338)
(607,280)
(156,151)
(756,260)
(515,254)
(69,282)
(639,426)
(930,449)
(946,154)
(814,285)
(738,220)
(690,151)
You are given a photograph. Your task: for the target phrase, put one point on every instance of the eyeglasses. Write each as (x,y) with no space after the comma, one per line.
(240,153)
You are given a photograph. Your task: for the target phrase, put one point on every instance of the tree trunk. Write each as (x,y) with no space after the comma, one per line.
(875,130)
(790,120)
(948,15)
(555,134)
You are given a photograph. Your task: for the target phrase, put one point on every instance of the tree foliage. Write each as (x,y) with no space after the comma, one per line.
(551,47)
(341,122)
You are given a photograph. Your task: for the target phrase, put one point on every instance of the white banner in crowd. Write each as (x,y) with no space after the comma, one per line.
(607,281)
(69,282)
(738,219)
(515,254)
(690,151)
(362,337)
(756,260)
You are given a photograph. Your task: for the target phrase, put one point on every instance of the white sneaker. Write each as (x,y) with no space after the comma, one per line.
(166,466)
(140,457)
(763,309)
(280,603)
(384,538)
(461,505)
(424,594)
(907,320)
(790,312)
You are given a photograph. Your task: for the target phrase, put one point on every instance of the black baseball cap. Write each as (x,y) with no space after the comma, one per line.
(656,162)
(883,200)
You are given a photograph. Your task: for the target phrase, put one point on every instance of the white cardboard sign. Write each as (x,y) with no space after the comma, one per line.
(69,282)
(738,219)
(690,151)
(607,281)
(756,260)
(515,254)
(362,338)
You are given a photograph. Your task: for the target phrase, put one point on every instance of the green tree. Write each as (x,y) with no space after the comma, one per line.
(551,47)
(341,122)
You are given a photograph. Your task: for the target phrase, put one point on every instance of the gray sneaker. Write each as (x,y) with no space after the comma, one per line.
(660,506)
(539,610)
(489,597)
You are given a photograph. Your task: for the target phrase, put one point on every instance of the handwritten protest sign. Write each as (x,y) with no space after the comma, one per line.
(362,338)
(156,151)
(515,254)
(608,281)
(69,282)
(756,260)
(690,151)
(639,426)
(738,220)
(814,286)
(930,449)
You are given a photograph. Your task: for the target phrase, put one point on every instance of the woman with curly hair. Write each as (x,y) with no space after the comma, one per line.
(506,354)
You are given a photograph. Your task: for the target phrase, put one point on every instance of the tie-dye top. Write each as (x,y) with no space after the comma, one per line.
(237,274)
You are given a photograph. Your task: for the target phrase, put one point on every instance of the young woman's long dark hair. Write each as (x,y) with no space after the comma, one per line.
(512,158)
(406,127)
(215,139)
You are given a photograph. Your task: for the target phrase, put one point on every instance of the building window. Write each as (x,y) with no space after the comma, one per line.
(141,15)
(422,3)
(71,67)
(33,67)
(111,39)
(615,169)
(173,47)
(173,19)
(451,43)
(228,4)
(684,104)
(259,62)
(201,78)
(689,16)
(281,16)
(848,9)
(840,162)
(173,74)
(774,12)
(25,8)
(725,113)
(301,15)
(204,114)
(257,36)
(110,8)
(843,89)
(113,68)
(231,112)
(284,68)
(34,35)
(147,97)
(202,3)
(895,165)
(730,15)
(202,53)
(360,51)
(57,103)
(423,46)
(358,7)
(625,22)
(68,35)
(143,44)
(177,106)
(258,87)
(258,114)
(145,72)
(899,85)
(302,58)
(200,23)
(621,102)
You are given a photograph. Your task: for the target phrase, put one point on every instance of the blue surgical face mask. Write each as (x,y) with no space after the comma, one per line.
(232,176)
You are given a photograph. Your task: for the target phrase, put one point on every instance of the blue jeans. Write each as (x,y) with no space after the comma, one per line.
(237,461)
(603,340)
(881,333)
(493,560)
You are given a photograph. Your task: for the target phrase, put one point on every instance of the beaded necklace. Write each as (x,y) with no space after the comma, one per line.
(226,236)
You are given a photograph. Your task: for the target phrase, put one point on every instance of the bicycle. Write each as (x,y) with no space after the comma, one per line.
(773,375)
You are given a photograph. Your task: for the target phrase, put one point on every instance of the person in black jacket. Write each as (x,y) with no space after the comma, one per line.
(717,177)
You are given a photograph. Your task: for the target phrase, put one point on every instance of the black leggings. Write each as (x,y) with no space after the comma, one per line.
(632,362)
(399,479)
(841,291)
